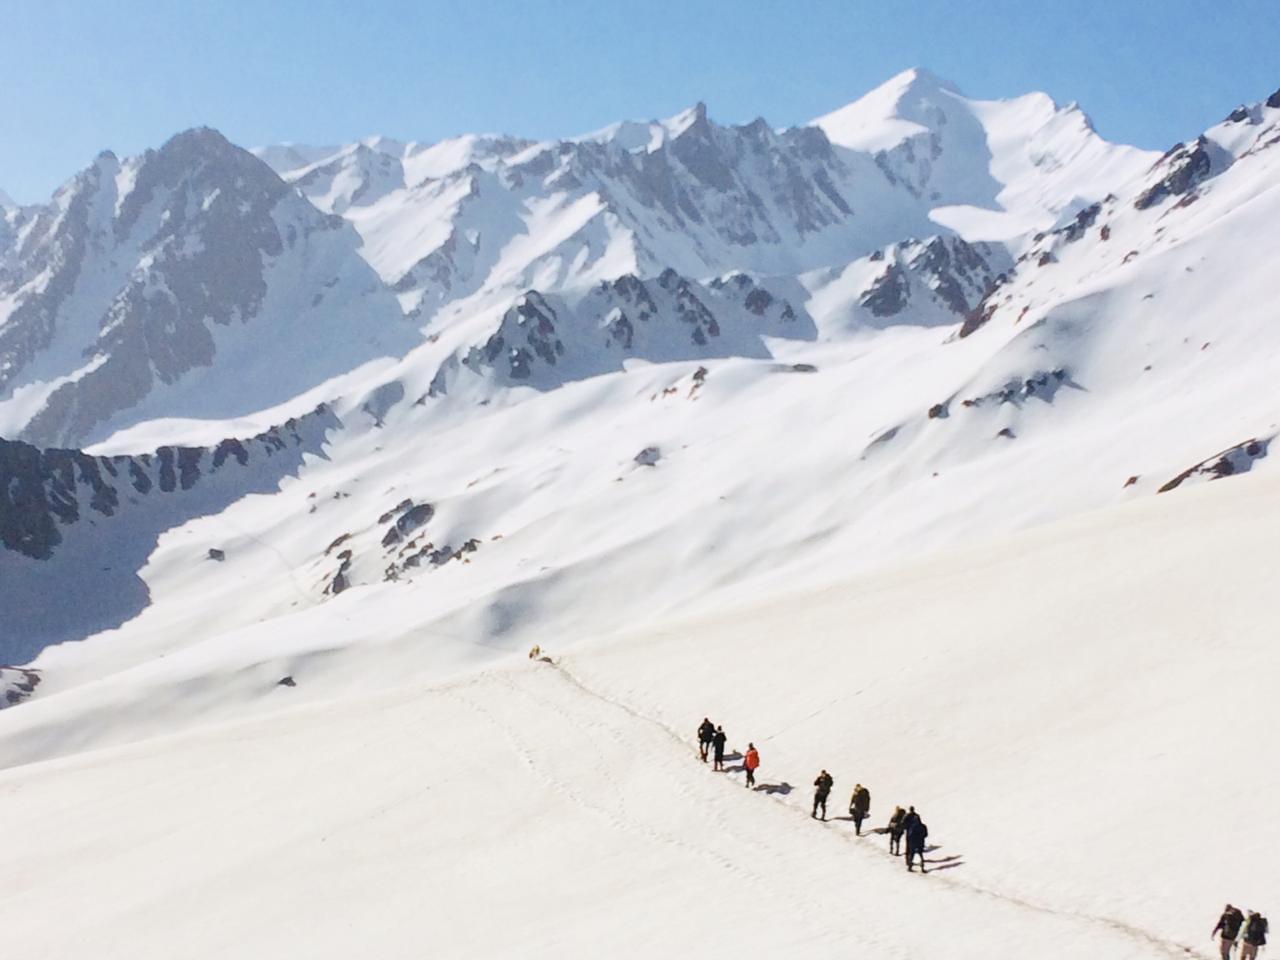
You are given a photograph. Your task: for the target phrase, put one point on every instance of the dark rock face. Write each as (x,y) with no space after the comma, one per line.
(528,330)
(648,457)
(954,273)
(17,684)
(411,518)
(1237,459)
(413,554)
(978,317)
(43,490)
(1184,167)
(888,296)
(52,502)
(1083,221)
(1041,385)
(1273,101)
(544,340)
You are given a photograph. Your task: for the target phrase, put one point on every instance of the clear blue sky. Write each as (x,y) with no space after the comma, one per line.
(78,77)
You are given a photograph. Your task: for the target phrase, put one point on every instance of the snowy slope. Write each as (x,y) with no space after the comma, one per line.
(538,811)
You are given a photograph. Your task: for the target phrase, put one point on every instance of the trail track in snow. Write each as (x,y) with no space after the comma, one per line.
(1163,947)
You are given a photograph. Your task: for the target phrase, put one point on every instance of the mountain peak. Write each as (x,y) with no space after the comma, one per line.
(920,78)
(198,136)
(685,120)
(887,115)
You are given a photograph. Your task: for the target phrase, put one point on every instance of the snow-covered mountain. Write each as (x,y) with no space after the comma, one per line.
(190,297)
(768,422)
(993,170)
(482,214)
(187,282)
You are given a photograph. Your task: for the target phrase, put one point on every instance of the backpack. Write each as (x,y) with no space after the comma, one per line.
(1255,931)
(1232,920)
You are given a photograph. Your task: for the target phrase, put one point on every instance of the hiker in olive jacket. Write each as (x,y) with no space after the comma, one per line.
(1255,935)
(859,807)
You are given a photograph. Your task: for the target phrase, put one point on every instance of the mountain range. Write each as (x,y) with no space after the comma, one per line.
(916,319)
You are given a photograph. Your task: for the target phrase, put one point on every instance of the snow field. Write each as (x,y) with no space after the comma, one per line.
(1077,712)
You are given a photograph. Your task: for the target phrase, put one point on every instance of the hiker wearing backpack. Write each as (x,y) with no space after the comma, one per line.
(717,744)
(823,784)
(859,807)
(750,763)
(706,733)
(1229,927)
(1255,935)
(917,834)
(895,831)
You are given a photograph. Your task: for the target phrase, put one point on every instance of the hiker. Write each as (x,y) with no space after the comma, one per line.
(1229,926)
(895,831)
(823,784)
(859,806)
(917,833)
(750,762)
(717,742)
(706,733)
(1255,935)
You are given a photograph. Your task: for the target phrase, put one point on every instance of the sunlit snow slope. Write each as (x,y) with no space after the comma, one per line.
(1070,758)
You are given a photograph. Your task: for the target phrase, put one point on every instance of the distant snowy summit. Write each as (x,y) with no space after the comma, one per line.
(911,158)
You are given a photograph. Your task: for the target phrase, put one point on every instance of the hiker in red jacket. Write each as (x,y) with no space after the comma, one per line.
(751,761)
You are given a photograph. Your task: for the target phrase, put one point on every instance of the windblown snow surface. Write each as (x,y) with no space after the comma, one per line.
(954,512)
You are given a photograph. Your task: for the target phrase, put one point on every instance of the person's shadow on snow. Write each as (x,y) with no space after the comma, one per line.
(781,789)
(950,863)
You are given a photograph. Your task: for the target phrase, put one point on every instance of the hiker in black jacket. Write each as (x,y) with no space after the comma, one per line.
(706,733)
(895,831)
(717,742)
(1255,935)
(859,807)
(1229,926)
(917,833)
(823,785)
(909,819)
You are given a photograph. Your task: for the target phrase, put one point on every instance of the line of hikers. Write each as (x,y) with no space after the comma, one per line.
(902,824)
(1229,928)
